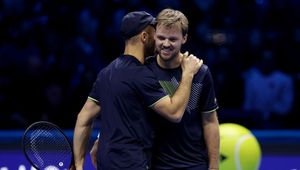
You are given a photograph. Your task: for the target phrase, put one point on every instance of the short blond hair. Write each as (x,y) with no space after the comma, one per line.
(170,17)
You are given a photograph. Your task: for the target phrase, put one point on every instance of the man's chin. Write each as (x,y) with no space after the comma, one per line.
(165,58)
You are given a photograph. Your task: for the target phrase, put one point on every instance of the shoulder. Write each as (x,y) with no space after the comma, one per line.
(107,68)
(150,59)
(203,71)
(143,72)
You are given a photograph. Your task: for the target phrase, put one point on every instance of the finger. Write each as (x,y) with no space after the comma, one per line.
(194,57)
(186,54)
(181,55)
(200,62)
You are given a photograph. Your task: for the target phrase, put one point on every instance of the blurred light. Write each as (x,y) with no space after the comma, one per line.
(259,2)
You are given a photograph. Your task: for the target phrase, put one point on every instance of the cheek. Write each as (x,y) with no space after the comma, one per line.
(157,43)
(177,45)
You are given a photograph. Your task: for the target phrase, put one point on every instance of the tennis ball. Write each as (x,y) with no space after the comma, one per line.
(239,149)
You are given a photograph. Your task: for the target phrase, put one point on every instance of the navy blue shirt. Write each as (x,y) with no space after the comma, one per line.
(182,145)
(124,90)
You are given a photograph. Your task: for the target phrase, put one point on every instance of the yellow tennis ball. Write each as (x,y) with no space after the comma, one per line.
(239,149)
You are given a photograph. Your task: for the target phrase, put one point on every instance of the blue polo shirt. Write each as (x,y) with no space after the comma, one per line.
(124,90)
(181,145)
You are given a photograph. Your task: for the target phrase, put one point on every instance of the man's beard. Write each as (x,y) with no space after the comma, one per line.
(149,49)
(169,58)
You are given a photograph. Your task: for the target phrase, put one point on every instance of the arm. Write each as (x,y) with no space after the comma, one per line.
(212,138)
(82,131)
(174,106)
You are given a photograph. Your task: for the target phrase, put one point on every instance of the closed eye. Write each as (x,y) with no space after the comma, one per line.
(172,39)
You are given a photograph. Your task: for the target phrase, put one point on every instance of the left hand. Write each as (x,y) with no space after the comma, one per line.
(93,153)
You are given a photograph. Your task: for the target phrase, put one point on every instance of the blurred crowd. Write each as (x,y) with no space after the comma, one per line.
(52,50)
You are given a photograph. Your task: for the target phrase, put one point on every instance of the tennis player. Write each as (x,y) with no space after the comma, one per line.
(121,95)
(192,144)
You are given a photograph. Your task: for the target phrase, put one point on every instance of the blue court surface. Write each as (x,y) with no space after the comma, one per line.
(280,150)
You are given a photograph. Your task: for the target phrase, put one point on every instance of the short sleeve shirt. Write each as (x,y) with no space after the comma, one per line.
(124,90)
(181,145)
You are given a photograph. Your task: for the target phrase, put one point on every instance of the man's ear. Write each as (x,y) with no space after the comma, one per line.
(144,35)
(184,38)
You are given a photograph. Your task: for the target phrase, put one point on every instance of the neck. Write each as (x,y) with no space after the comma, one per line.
(135,50)
(169,64)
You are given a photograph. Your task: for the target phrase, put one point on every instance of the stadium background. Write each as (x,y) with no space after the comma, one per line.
(52,50)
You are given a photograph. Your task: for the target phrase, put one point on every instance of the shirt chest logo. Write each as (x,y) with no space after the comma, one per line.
(171,86)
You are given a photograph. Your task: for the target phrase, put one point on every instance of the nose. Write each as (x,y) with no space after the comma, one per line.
(166,43)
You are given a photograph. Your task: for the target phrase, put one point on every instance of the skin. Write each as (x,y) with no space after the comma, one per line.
(168,42)
(212,138)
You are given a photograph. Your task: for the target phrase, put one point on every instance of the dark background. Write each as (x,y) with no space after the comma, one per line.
(52,50)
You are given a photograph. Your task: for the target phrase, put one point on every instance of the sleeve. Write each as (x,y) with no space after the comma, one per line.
(95,91)
(148,87)
(208,101)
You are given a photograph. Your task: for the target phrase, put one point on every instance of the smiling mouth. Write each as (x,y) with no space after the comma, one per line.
(166,51)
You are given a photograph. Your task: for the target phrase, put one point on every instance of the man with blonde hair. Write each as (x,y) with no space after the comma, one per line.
(193,143)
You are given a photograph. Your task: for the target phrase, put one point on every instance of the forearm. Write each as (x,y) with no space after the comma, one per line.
(80,141)
(83,130)
(190,66)
(180,98)
(212,140)
(213,151)
(172,108)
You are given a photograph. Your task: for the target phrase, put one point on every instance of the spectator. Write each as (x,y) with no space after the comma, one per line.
(269,92)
